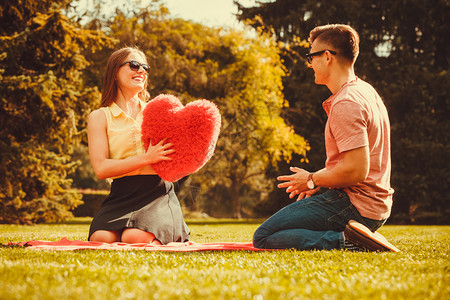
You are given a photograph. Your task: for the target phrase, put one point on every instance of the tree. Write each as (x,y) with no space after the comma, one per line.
(44,102)
(241,75)
(403,53)
(254,135)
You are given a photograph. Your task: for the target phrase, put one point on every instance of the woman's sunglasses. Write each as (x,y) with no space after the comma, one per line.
(135,66)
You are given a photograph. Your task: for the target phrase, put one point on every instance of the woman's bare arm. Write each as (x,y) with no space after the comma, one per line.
(103,166)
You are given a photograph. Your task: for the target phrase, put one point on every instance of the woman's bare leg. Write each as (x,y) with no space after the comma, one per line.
(134,236)
(105,236)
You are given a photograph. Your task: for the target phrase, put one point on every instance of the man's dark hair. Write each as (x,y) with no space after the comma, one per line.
(341,38)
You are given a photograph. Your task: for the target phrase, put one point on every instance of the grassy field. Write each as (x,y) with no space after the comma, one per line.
(420,271)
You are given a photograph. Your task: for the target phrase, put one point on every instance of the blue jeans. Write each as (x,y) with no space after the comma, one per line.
(316,222)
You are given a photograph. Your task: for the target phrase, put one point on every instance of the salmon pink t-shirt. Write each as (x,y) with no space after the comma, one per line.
(357,117)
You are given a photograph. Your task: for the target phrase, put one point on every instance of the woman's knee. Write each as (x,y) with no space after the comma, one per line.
(134,236)
(105,236)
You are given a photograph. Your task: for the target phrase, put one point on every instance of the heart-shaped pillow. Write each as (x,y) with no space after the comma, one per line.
(192,129)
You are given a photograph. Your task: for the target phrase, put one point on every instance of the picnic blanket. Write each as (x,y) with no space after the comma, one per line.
(65,244)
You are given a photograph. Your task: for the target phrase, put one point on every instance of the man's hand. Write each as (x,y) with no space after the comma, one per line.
(295,183)
(306,194)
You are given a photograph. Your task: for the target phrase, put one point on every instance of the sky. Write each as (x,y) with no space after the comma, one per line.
(212,13)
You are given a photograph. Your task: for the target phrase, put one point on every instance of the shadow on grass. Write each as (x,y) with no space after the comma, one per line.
(74,221)
(223,221)
(209,221)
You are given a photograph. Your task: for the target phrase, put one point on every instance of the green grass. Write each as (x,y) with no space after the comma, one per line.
(420,271)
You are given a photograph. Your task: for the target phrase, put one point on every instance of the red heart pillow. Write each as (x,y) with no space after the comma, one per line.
(192,129)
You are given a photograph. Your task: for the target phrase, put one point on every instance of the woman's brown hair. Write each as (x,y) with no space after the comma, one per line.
(109,90)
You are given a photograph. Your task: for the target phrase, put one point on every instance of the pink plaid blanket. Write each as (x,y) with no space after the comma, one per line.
(65,244)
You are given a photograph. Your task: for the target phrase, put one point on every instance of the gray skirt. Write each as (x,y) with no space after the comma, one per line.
(145,202)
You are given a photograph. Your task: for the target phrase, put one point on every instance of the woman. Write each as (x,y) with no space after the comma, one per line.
(141,207)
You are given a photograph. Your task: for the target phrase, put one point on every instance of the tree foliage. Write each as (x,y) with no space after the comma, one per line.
(43,108)
(51,70)
(241,75)
(404,54)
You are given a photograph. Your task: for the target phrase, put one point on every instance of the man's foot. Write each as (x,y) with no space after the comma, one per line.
(361,236)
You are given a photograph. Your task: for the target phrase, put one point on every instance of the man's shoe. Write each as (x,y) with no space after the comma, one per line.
(361,236)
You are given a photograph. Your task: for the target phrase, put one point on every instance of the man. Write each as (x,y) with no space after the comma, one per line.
(357,170)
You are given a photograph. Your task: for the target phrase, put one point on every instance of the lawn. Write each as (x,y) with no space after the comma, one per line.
(420,271)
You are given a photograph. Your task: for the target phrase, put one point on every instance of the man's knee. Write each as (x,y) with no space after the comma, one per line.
(259,238)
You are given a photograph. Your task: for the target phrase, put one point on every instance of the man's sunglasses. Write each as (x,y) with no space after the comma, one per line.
(135,66)
(310,56)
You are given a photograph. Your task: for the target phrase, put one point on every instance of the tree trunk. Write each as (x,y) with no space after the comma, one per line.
(235,200)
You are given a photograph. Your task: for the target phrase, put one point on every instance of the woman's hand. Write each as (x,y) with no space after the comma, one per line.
(159,152)
(105,167)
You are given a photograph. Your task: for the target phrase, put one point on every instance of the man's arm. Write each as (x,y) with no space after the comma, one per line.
(352,169)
